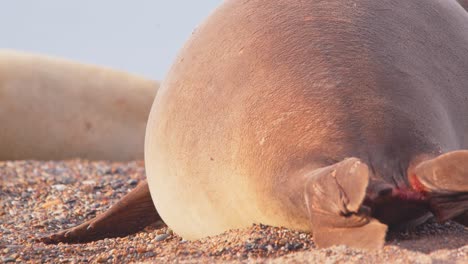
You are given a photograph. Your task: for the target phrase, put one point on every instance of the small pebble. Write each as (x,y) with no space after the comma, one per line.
(101,259)
(59,187)
(45,211)
(161,237)
(9,260)
(150,254)
(132,182)
(89,182)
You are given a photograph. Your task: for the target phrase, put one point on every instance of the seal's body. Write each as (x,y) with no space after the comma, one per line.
(56,109)
(335,117)
(463,3)
(298,86)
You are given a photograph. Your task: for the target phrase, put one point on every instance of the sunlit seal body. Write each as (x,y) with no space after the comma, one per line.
(336,117)
(266,94)
(57,109)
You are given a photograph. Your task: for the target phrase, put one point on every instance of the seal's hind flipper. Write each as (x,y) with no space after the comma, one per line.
(448,206)
(446,173)
(368,236)
(444,180)
(334,197)
(131,214)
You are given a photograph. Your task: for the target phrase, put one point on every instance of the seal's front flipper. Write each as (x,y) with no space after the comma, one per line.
(131,214)
(334,197)
(444,180)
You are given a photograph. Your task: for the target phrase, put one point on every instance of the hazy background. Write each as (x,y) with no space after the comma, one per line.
(141,36)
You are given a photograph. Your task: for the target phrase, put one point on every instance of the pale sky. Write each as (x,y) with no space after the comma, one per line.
(140,36)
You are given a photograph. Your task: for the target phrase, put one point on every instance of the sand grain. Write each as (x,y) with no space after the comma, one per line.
(38,198)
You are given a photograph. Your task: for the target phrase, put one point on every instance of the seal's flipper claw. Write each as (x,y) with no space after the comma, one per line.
(444,180)
(334,197)
(131,214)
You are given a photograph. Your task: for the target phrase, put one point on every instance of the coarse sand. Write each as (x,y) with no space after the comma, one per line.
(39,198)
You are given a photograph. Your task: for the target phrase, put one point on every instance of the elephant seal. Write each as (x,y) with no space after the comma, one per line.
(337,117)
(463,3)
(57,109)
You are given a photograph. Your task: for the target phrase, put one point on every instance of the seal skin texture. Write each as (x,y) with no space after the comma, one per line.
(342,118)
(53,108)
(313,115)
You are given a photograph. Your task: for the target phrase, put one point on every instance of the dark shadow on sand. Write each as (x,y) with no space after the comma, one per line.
(430,237)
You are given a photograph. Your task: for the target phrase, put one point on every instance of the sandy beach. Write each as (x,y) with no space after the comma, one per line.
(39,198)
